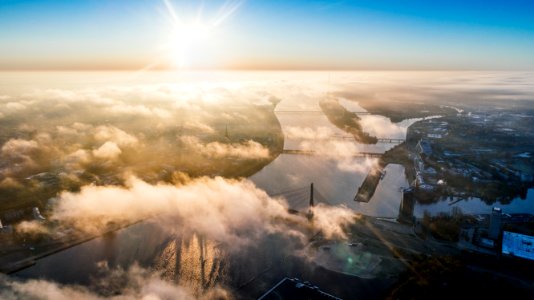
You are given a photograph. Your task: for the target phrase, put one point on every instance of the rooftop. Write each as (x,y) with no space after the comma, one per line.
(293,288)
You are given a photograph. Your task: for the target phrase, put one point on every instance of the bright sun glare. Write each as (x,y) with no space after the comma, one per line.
(186,40)
(191,35)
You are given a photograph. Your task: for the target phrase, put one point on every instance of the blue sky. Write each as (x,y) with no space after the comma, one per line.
(274,34)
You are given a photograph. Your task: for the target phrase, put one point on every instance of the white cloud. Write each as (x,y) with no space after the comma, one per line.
(140,110)
(351,165)
(31,227)
(246,150)
(196,125)
(18,153)
(109,150)
(332,148)
(219,209)
(17,147)
(315,133)
(75,160)
(380,126)
(115,135)
(15,106)
(131,284)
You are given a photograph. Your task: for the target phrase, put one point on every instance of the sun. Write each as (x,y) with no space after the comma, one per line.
(190,35)
(186,40)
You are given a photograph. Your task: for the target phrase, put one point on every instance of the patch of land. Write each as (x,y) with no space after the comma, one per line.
(484,155)
(175,152)
(398,111)
(396,155)
(346,120)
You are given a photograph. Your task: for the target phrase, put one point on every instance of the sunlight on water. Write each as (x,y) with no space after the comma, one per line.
(195,262)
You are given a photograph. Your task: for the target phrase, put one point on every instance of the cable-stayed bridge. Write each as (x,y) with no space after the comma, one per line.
(302,198)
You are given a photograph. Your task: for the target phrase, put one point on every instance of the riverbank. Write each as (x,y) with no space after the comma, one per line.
(397,155)
(54,247)
(346,121)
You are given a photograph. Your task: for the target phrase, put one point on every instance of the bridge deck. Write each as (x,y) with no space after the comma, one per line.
(311,152)
(317,111)
(350,137)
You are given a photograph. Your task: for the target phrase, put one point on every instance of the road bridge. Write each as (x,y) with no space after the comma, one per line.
(313,152)
(289,111)
(381,140)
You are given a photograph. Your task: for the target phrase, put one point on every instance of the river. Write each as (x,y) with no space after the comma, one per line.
(335,172)
(476,206)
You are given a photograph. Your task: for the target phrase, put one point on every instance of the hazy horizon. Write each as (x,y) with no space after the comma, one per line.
(274,35)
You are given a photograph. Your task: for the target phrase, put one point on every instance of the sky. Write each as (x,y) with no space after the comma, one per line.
(274,34)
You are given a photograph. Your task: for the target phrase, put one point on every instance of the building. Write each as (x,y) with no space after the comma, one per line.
(518,245)
(434,135)
(424,147)
(407,206)
(495,223)
(293,288)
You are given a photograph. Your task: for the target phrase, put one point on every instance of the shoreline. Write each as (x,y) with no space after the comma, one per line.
(30,261)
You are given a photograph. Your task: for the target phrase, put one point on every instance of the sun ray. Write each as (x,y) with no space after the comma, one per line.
(188,36)
(227,10)
(171,12)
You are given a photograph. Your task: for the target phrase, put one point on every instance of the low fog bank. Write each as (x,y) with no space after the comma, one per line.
(119,284)
(61,139)
(233,212)
(418,94)
(234,216)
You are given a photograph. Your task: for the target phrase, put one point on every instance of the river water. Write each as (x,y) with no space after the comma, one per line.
(334,170)
(477,206)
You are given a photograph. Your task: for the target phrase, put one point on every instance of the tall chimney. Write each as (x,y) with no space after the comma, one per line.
(311,195)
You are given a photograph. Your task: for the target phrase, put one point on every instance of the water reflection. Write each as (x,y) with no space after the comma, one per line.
(336,174)
(379,126)
(192,261)
(338,185)
(138,243)
(388,195)
(188,260)
(477,206)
